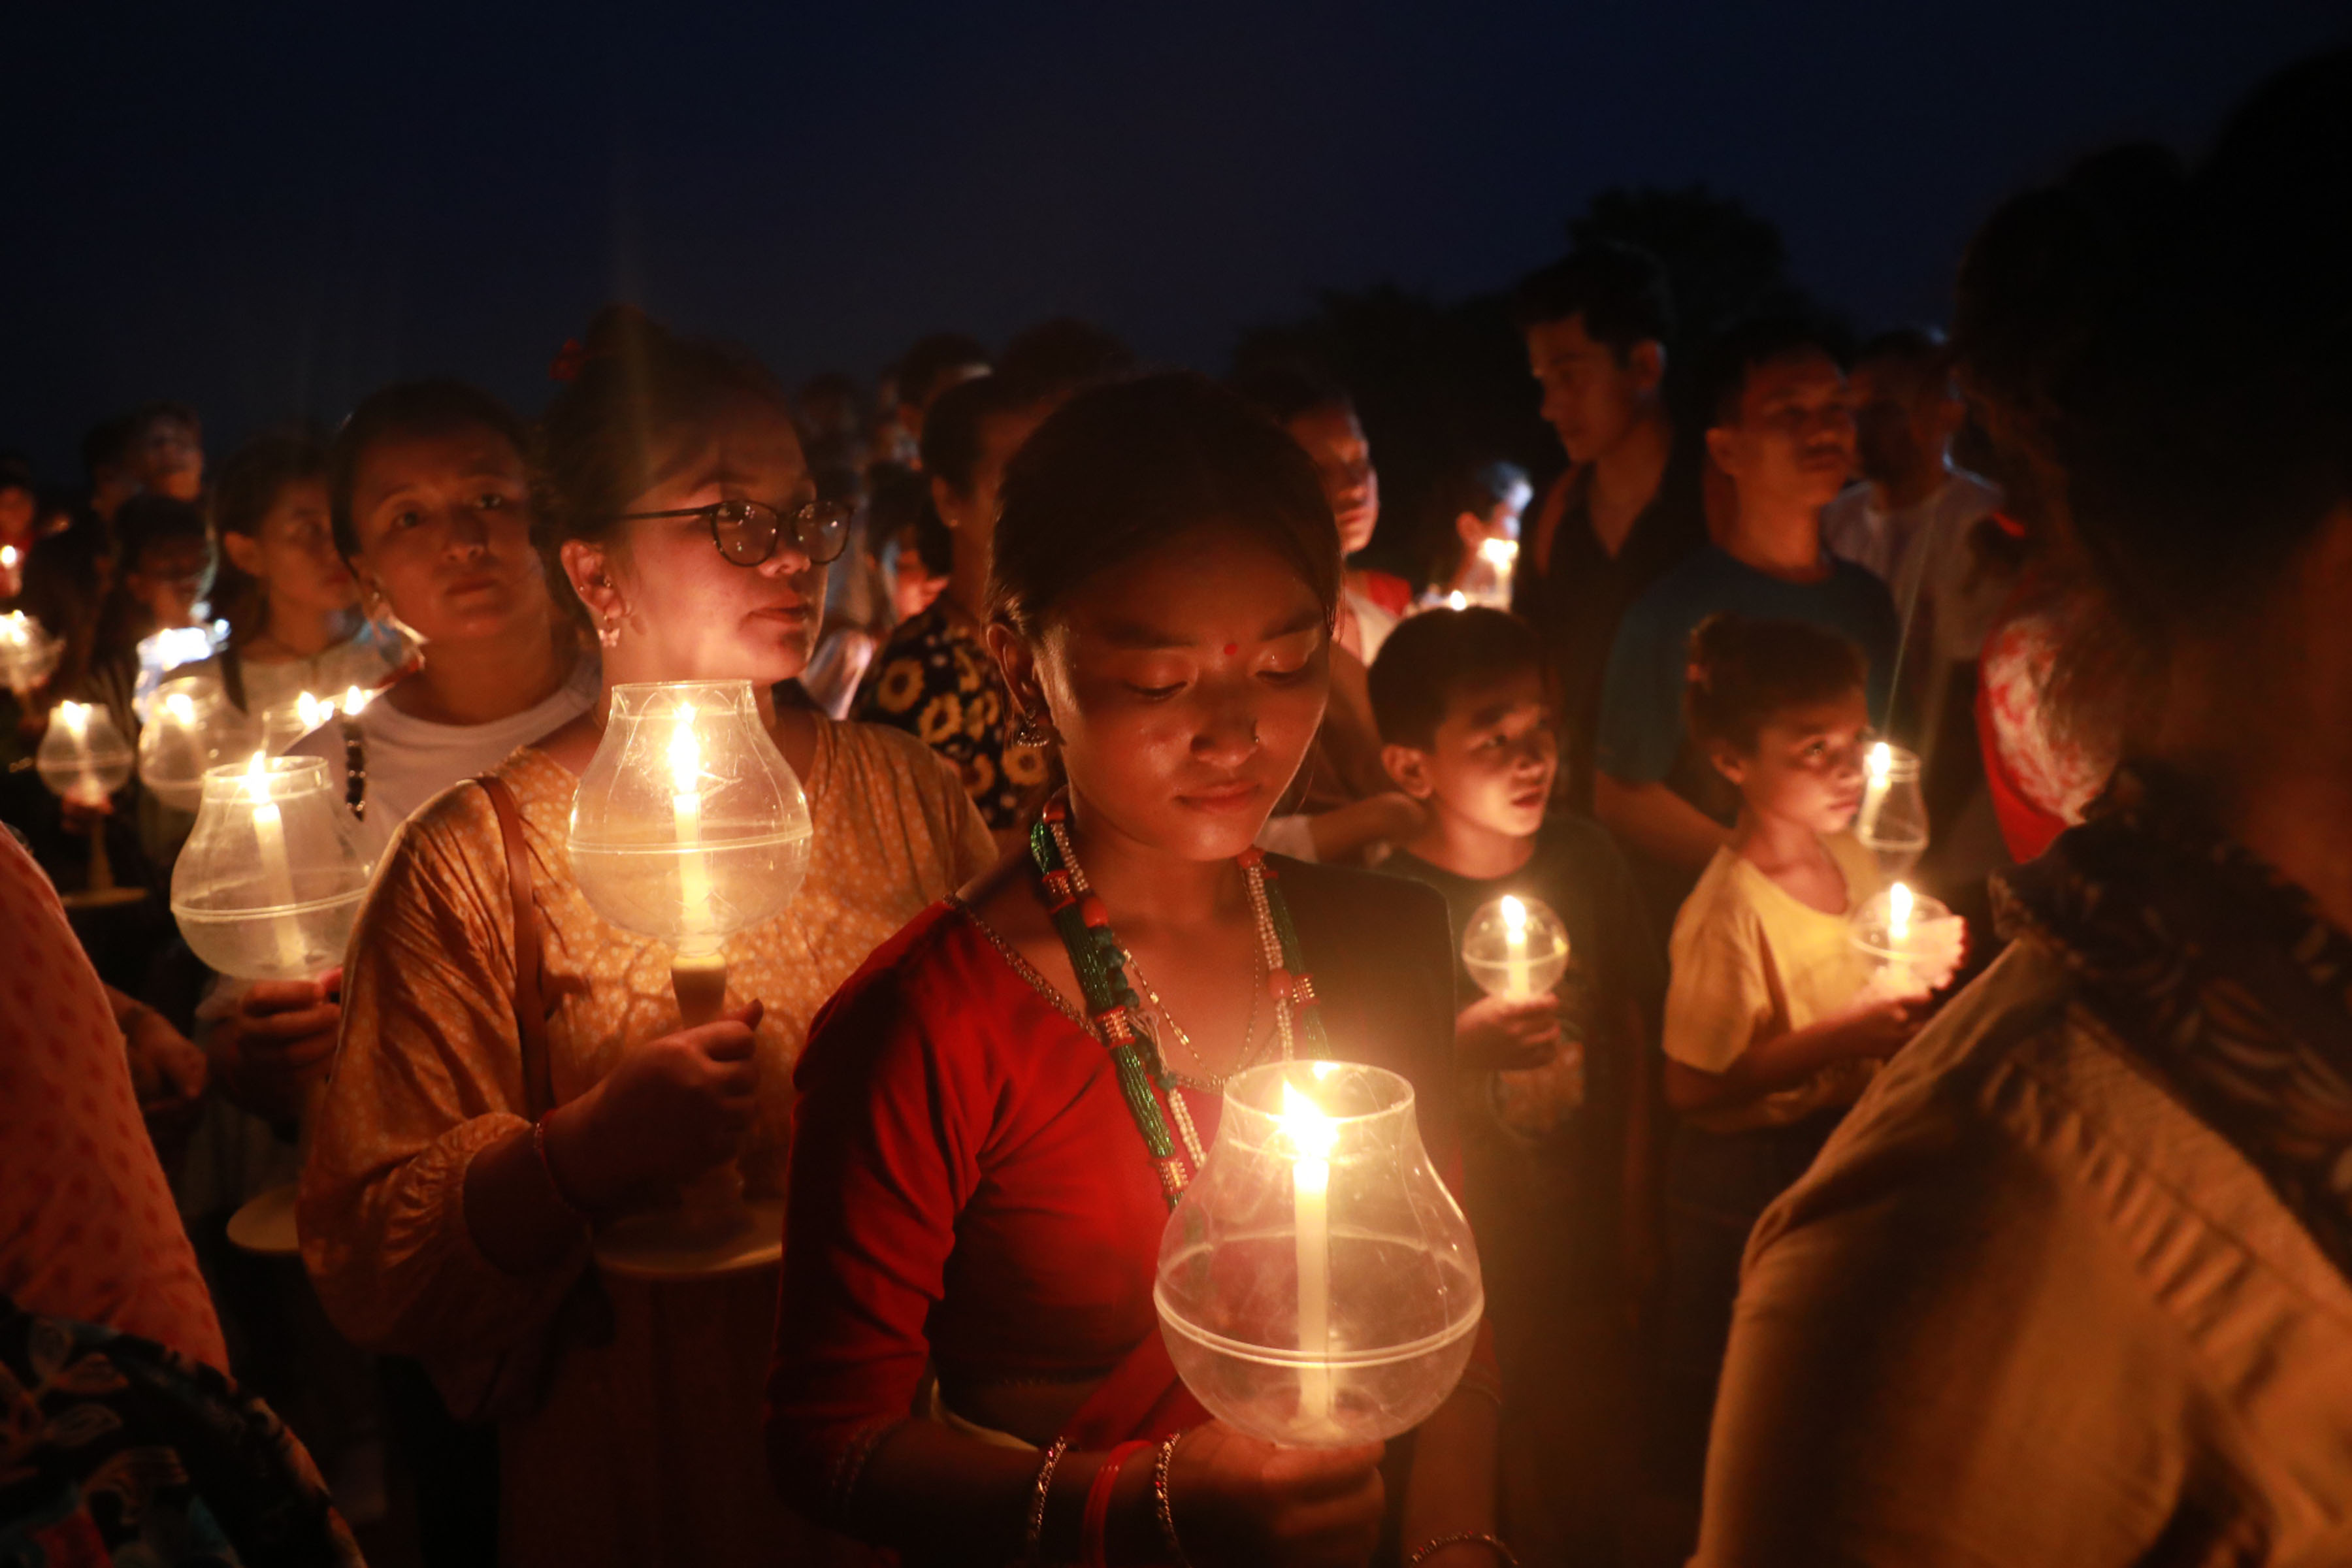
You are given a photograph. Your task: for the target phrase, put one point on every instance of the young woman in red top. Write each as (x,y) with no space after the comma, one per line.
(969,1190)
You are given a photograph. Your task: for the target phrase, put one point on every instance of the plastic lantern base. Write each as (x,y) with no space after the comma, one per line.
(662,1244)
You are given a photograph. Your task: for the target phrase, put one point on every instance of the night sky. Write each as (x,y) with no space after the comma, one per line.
(268,216)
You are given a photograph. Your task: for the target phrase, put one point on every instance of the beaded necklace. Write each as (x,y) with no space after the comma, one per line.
(1101,966)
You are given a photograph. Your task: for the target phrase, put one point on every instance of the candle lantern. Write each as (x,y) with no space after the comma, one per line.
(267,888)
(1911,942)
(285,722)
(192,729)
(689,826)
(1893,822)
(83,759)
(28,654)
(1499,559)
(12,571)
(1517,948)
(1317,1285)
(272,876)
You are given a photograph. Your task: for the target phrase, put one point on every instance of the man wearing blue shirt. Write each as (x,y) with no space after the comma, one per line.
(1781,430)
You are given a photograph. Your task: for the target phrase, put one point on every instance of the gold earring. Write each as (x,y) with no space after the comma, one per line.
(1032,729)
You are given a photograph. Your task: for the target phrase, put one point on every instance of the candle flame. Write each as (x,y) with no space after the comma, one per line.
(354,699)
(685,755)
(1515,914)
(183,710)
(1501,551)
(1898,912)
(1457,600)
(75,716)
(7,555)
(314,711)
(1882,762)
(17,626)
(257,778)
(1311,1132)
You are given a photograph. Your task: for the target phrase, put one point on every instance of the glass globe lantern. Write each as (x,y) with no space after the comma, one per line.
(83,759)
(1893,822)
(28,654)
(1911,942)
(1517,948)
(688,827)
(272,876)
(192,729)
(1317,1285)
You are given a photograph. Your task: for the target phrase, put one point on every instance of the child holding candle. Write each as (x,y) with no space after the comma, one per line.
(1770,1029)
(1558,1193)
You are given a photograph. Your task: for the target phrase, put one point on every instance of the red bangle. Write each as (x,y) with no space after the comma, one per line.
(1096,1521)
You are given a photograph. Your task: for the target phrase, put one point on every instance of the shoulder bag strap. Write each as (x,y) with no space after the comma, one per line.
(530,1001)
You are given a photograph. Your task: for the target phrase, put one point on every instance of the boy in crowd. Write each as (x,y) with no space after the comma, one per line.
(1556,1146)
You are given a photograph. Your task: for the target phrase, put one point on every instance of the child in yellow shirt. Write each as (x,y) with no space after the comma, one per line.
(1772,1025)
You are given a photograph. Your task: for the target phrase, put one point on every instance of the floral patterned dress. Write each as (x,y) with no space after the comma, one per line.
(935,681)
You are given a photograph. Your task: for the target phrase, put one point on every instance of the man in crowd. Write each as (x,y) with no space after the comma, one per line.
(1629,507)
(1781,431)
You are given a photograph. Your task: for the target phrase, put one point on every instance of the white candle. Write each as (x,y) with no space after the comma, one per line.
(1311,1135)
(75,718)
(1518,973)
(277,872)
(685,806)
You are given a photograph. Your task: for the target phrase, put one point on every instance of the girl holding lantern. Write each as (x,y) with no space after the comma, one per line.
(446,1212)
(971,1189)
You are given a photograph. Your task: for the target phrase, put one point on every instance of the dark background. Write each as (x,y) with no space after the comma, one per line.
(266,212)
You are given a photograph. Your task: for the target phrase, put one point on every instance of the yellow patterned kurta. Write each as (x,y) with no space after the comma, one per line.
(647,1449)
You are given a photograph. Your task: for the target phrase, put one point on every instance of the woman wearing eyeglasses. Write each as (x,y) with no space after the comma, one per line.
(448,1215)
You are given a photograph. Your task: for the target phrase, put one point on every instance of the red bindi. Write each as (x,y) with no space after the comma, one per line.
(1232,649)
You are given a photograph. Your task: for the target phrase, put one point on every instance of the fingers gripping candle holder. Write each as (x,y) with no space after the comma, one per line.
(267,888)
(84,759)
(1317,1285)
(688,827)
(1517,949)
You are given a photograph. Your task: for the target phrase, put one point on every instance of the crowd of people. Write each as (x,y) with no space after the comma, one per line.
(1126,770)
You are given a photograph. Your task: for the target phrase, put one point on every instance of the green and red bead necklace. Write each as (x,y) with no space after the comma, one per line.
(1116,1013)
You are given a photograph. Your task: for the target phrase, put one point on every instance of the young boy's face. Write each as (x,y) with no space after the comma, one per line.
(1493,759)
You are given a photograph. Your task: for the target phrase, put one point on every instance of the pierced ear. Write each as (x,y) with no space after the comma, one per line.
(1409,766)
(588,568)
(1016,661)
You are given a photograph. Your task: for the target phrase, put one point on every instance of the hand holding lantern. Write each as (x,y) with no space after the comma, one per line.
(1893,821)
(1517,949)
(1317,1285)
(689,826)
(1912,942)
(266,889)
(84,759)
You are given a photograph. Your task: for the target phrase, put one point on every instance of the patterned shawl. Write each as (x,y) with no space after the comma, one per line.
(2217,975)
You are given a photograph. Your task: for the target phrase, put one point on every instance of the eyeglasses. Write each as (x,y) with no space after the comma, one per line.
(747,531)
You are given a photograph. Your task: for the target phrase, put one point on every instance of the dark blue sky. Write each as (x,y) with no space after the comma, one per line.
(269,212)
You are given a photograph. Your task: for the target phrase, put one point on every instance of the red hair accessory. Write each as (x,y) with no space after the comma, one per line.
(569,361)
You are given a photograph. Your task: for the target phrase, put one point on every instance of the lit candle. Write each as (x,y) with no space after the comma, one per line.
(353,700)
(1457,600)
(315,710)
(1518,973)
(1502,554)
(277,872)
(1311,1135)
(685,806)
